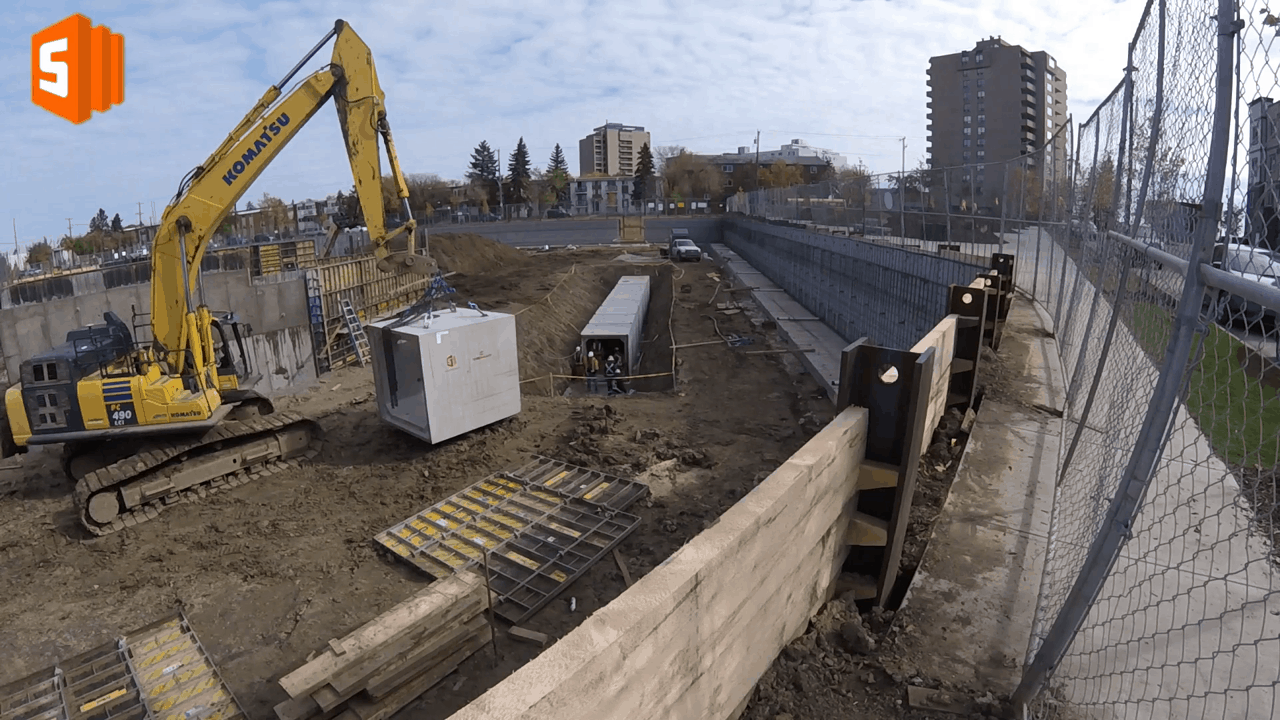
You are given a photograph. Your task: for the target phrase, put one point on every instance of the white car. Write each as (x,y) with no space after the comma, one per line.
(1256,264)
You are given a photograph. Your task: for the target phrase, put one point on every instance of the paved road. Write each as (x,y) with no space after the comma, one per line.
(535,233)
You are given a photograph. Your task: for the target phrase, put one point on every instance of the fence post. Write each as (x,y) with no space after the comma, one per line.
(1156,118)
(1118,522)
(1073,165)
(1080,277)
(1044,174)
(1004,200)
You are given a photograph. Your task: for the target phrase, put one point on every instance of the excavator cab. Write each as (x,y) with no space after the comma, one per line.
(235,366)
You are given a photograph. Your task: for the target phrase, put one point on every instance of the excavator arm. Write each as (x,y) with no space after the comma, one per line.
(211,190)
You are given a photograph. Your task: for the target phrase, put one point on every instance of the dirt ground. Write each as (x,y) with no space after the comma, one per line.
(270,571)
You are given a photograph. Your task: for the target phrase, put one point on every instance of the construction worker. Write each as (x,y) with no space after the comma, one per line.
(611,372)
(576,361)
(593,372)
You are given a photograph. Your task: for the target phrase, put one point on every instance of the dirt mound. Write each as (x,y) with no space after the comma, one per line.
(547,328)
(471,254)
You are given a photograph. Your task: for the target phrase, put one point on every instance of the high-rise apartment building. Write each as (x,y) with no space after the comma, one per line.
(612,149)
(1262,205)
(989,105)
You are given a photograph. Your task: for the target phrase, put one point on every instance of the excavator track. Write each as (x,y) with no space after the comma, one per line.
(160,475)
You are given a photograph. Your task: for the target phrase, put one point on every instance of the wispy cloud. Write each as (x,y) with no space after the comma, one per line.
(458,73)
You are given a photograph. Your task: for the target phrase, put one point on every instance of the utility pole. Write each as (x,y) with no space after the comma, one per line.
(757,160)
(502,205)
(902,194)
(68,227)
(139,214)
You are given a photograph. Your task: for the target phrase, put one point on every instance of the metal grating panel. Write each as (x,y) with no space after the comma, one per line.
(98,685)
(161,672)
(537,540)
(571,541)
(35,697)
(593,486)
(177,678)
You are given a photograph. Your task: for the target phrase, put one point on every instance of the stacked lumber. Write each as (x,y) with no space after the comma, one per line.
(381,667)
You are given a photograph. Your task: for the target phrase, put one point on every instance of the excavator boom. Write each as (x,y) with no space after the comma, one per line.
(212,189)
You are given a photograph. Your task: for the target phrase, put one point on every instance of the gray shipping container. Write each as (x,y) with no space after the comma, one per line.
(439,378)
(621,318)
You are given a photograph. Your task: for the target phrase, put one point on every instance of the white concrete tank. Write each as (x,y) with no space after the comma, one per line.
(441,377)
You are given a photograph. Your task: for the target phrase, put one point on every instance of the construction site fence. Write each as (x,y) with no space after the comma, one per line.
(859,289)
(1147,234)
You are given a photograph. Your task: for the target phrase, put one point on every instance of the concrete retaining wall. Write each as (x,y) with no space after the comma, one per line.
(691,638)
(276,311)
(704,231)
(892,295)
(535,233)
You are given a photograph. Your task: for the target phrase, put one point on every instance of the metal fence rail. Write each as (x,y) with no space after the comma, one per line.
(1148,234)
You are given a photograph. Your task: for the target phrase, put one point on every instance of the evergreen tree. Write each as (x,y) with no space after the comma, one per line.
(116,224)
(99,223)
(483,170)
(644,175)
(519,173)
(558,176)
(557,161)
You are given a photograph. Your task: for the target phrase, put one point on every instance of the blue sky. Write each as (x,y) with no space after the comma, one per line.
(704,75)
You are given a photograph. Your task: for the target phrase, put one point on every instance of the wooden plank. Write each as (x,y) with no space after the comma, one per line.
(943,339)
(384,706)
(530,636)
(864,587)
(303,708)
(396,675)
(351,679)
(385,628)
(867,531)
(622,567)
(874,475)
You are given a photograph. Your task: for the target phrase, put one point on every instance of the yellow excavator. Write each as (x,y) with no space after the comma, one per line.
(149,422)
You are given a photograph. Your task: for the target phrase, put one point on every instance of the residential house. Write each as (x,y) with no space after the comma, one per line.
(739,168)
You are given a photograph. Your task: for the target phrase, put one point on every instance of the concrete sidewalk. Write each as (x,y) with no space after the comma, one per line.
(1187,624)
(973,599)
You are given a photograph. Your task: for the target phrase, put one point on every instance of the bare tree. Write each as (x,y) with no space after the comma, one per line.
(780,174)
(663,153)
(688,176)
(273,212)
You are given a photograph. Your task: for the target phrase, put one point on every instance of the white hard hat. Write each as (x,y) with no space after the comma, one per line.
(591,354)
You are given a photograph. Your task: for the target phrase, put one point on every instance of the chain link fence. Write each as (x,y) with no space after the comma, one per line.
(1149,236)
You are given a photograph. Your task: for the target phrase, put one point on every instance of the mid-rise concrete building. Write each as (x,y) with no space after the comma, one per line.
(989,105)
(612,149)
